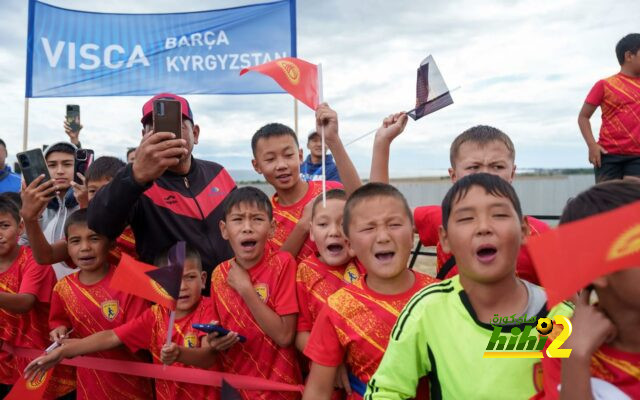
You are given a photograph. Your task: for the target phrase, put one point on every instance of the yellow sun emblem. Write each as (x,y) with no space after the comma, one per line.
(291,71)
(626,244)
(262,289)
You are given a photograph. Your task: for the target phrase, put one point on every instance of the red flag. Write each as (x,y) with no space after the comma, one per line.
(571,256)
(296,76)
(131,277)
(32,389)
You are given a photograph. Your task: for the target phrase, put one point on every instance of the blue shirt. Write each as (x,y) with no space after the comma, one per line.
(9,182)
(313,172)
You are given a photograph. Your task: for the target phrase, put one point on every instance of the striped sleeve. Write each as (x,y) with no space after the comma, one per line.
(406,359)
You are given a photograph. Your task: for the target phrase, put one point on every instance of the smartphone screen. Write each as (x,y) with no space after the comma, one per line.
(167,116)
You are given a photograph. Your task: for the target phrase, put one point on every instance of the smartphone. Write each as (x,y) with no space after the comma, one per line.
(32,165)
(210,328)
(73,116)
(84,158)
(167,116)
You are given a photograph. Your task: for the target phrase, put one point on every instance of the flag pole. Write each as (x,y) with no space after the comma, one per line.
(295,115)
(324,172)
(25,126)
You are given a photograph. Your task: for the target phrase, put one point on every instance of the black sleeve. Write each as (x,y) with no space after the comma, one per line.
(113,206)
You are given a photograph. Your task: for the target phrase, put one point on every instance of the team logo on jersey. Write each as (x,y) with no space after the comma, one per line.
(190,340)
(626,244)
(156,286)
(291,71)
(351,274)
(263,291)
(537,377)
(38,380)
(110,309)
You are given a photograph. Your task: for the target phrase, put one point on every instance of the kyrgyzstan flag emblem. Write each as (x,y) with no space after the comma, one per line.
(297,77)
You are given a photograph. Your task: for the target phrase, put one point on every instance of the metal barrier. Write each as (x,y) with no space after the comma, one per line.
(418,250)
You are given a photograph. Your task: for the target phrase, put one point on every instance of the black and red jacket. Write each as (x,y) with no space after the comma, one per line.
(172,208)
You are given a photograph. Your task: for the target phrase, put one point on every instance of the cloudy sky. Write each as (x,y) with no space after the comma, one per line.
(522,66)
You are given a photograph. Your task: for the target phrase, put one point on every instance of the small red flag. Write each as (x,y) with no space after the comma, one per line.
(32,389)
(571,256)
(296,76)
(131,277)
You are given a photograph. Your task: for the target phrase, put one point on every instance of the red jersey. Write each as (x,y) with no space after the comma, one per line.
(149,331)
(616,367)
(619,99)
(30,329)
(315,282)
(125,243)
(357,323)
(93,308)
(274,279)
(287,217)
(429,218)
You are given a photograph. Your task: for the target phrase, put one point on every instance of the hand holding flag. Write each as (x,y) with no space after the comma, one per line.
(30,386)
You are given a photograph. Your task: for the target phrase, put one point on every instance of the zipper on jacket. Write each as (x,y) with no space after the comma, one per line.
(186,184)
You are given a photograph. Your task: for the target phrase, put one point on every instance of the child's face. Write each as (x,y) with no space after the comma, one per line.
(381,236)
(492,158)
(278,160)
(326,232)
(88,250)
(247,227)
(61,166)
(10,229)
(484,233)
(193,280)
(93,186)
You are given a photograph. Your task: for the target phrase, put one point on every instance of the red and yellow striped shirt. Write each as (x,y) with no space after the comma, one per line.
(355,325)
(619,99)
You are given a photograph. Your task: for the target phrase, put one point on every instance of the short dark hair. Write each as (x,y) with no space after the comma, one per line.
(130,150)
(60,148)
(338,194)
(602,197)
(492,184)
(15,197)
(9,206)
(78,217)
(481,135)
(190,253)
(3,143)
(273,129)
(247,195)
(104,167)
(369,191)
(631,43)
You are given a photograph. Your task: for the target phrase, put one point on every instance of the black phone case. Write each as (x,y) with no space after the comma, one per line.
(82,165)
(32,165)
(73,116)
(167,116)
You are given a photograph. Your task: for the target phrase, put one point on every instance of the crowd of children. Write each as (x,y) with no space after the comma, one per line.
(318,294)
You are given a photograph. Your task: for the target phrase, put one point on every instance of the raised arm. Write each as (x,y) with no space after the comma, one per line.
(327,119)
(391,127)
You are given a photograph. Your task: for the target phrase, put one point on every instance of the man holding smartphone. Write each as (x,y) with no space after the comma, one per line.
(166,194)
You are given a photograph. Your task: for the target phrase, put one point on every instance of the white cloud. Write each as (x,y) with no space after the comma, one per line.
(523,66)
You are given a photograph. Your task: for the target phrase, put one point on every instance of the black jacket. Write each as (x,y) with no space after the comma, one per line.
(173,208)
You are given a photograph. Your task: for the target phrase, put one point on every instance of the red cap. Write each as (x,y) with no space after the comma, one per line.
(147,108)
